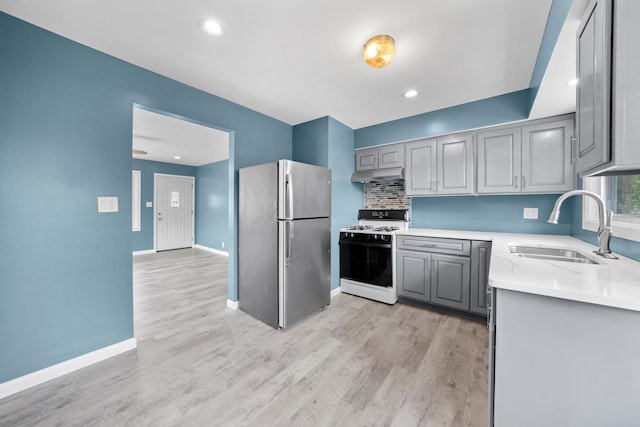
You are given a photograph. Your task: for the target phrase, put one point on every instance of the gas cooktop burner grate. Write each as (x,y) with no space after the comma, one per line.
(387,228)
(360,227)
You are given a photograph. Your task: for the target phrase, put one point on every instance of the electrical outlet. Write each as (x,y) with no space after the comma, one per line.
(530,213)
(223,244)
(149,204)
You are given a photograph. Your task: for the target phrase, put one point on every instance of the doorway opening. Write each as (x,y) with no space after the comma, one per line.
(180,187)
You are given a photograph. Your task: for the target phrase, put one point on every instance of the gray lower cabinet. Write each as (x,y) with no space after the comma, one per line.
(562,363)
(480,256)
(441,271)
(450,279)
(414,274)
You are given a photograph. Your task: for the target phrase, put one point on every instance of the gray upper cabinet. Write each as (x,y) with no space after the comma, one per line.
(439,166)
(454,165)
(420,170)
(593,72)
(388,156)
(608,95)
(530,159)
(499,161)
(546,157)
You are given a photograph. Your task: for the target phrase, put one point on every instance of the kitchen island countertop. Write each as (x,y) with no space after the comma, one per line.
(613,283)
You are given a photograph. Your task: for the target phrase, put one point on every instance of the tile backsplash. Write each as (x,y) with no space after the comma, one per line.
(386,195)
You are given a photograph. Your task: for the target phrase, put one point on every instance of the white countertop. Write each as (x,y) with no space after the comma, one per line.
(614,283)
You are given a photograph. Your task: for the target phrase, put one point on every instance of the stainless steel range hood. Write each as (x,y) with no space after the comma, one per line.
(375,175)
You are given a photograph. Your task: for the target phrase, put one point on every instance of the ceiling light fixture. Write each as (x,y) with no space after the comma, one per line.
(211,27)
(411,93)
(379,50)
(572,82)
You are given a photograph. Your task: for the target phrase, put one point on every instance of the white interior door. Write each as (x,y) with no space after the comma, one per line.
(174,211)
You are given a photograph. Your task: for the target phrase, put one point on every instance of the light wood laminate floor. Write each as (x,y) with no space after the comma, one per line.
(199,363)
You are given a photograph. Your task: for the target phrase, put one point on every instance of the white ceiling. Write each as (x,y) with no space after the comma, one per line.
(164,137)
(300,60)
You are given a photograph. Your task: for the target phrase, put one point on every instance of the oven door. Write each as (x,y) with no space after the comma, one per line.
(366,262)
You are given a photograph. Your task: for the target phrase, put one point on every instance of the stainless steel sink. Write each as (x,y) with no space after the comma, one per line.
(550,254)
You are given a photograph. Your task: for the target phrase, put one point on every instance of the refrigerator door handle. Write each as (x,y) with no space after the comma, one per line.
(289,195)
(288,236)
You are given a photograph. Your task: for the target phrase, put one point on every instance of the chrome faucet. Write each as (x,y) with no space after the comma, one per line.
(604,220)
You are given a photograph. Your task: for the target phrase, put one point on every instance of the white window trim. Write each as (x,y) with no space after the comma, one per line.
(623,226)
(136,200)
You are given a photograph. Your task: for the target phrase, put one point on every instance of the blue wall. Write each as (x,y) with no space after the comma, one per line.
(328,143)
(487,213)
(311,142)
(65,270)
(346,197)
(143,240)
(212,205)
(486,112)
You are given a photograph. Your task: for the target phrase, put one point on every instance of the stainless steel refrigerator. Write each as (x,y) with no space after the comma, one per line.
(284,259)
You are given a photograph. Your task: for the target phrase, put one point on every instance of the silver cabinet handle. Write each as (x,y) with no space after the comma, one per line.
(515,181)
(573,149)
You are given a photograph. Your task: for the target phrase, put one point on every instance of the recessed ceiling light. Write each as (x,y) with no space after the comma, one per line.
(177,157)
(572,82)
(411,93)
(211,27)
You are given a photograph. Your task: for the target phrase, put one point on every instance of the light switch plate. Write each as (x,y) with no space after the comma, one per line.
(149,204)
(107,204)
(530,213)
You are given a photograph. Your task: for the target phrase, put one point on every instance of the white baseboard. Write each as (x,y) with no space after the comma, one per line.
(47,374)
(232,304)
(336,291)
(145,252)
(215,251)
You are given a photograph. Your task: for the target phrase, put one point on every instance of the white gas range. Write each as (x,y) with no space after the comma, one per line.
(367,264)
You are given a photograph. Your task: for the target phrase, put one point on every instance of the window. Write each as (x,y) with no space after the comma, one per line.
(622,196)
(135,200)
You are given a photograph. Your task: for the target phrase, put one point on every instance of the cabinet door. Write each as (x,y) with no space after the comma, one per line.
(366,159)
(450,281)
(455,165)
(546,157)
(499,161)
(593,91)
(480,255)
(391,156)
(420,168)
(414,274)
